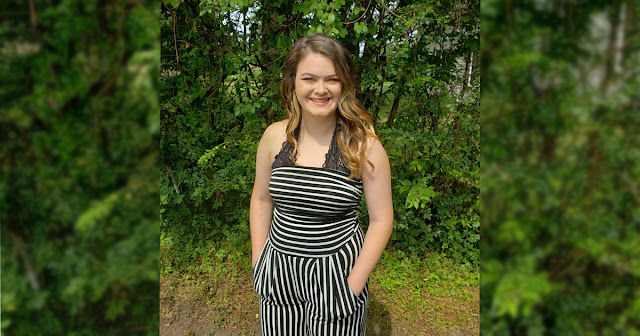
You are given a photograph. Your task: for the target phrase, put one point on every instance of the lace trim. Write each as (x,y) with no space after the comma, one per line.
(333,158)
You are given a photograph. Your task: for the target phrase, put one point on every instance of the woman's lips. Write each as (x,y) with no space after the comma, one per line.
(320,101)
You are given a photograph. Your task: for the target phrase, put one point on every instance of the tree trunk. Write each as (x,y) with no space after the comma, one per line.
(614,13)
(393,114)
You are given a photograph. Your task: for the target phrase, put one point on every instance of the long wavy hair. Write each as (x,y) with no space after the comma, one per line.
(354,123)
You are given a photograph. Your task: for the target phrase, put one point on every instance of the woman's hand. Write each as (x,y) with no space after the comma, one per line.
(355,287)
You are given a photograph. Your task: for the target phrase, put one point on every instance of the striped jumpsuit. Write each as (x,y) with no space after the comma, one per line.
(314,240)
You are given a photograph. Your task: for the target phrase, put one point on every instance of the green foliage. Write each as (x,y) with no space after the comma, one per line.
(79,127)
(221,72)
(560,169)
(435,177)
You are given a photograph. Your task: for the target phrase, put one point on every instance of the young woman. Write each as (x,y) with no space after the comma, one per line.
(311,259)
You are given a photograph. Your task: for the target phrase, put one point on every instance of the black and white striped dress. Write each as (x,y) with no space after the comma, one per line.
(301,273)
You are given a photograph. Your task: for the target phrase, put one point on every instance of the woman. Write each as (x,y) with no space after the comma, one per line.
(311,260)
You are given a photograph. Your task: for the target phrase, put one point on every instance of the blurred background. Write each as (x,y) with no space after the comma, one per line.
(79,128)
(79,133)
(418,72)
(560,247)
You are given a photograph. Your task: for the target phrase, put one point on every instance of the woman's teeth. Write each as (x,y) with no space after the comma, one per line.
(320,100)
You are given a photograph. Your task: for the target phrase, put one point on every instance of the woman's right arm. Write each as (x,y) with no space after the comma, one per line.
(261,206)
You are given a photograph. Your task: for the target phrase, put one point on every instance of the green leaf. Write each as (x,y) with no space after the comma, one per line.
(96,213)
(343,30)
(283,42)
(331,18)
(357,27)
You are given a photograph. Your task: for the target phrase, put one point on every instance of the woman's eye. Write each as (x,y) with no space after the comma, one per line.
(307,79)
(334,80)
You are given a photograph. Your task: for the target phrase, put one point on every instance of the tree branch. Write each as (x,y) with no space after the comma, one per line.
(176,187)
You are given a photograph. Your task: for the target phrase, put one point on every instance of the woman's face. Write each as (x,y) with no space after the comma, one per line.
(317,86)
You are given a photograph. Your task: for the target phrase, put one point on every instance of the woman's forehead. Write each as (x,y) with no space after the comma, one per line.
(316,64)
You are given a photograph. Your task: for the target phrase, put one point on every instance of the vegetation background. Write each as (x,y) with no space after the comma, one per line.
(560,247)
(221,70)
(79,161)
(419,78)
(79,127)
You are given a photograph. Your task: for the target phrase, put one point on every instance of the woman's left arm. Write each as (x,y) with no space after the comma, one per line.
(377,193)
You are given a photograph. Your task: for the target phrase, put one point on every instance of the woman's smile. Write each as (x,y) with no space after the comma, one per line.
(320,101)
(317,85)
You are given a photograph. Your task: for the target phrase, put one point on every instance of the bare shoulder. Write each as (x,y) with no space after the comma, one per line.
(275,133)
(275,130)
(375,154)
(375,150)
(273,137)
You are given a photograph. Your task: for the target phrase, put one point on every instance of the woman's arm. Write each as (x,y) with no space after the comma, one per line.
(261,207)
(377,194)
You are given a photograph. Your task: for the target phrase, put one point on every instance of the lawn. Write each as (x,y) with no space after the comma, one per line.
(213,294)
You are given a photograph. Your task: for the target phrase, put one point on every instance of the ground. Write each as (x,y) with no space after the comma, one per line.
(225,304)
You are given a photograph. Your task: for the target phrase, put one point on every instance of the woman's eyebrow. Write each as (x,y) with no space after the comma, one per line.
(314,75)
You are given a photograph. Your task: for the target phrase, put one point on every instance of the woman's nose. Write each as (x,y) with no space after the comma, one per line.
(321,87)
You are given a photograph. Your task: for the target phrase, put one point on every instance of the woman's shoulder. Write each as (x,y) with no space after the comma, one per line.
(276,131)
(278,126)
(377,155)
(273,137)
(373,142)
(374,148)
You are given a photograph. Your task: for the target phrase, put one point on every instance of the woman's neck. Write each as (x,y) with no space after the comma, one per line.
(319,129)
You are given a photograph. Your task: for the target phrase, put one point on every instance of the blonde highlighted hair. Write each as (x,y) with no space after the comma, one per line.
(354,123)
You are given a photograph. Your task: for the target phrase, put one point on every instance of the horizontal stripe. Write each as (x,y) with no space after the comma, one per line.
(301,273)
(315,210)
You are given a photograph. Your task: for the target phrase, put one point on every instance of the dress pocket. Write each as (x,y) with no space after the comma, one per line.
(264,247)
(337,300)
(350,291)
(262,274)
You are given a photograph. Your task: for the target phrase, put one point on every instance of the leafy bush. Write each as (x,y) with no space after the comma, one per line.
(435,174)
(220,90)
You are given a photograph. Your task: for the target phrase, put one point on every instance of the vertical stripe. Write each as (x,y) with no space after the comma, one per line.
(310,296)
(314,241)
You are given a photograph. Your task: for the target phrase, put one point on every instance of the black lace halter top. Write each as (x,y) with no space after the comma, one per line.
(333,158)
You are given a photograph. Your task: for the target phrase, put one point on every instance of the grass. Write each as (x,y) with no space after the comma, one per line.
(442,293)
(408,295)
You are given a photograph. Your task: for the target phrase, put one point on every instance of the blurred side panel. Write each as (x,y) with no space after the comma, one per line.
(560,177)
(79,133)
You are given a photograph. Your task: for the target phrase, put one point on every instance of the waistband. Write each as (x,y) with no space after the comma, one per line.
(316,246)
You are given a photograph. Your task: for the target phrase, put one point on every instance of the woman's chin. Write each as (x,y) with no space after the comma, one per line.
(320,112)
